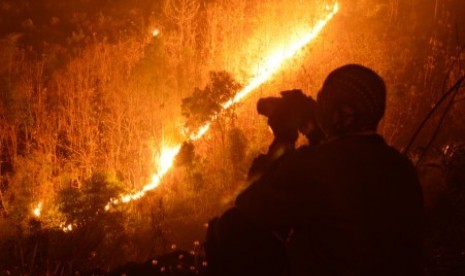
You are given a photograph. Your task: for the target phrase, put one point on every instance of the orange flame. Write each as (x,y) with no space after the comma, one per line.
(155,32)
(66,227)
(37,210)
(272,65)
(276,60)
(166,161)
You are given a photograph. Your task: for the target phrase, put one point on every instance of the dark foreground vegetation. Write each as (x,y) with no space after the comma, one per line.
(88,97)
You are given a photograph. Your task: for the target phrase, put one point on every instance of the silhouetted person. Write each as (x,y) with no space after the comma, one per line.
(353,202)
(236,245)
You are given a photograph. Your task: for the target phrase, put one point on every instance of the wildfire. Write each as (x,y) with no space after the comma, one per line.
(202,130)
(273,63)
(275,60)
(166,161)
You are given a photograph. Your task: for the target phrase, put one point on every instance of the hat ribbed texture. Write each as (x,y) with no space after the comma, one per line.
(356,91)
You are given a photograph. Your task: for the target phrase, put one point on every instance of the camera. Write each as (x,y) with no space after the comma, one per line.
(289,114)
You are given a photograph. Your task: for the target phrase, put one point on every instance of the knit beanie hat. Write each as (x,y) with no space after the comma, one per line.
(353,99)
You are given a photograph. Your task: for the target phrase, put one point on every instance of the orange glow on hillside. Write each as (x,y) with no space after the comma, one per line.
(273,63)
(165,162)
(276,59)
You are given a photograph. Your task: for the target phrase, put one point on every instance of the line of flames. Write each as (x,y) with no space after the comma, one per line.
(168,154)
(272,65)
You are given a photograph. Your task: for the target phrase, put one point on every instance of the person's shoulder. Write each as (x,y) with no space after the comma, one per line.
(303,152)
(302,156)
(399,160)
(402,158)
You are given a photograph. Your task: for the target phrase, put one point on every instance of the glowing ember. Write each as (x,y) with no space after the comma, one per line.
(273,64)
(37,211)
(66,228)
(155,32)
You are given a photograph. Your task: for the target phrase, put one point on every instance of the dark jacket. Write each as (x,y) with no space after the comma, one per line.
(355,205)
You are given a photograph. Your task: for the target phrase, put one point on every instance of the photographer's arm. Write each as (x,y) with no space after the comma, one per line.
(273,201)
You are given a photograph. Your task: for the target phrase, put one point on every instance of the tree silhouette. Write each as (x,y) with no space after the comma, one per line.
(206,103)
